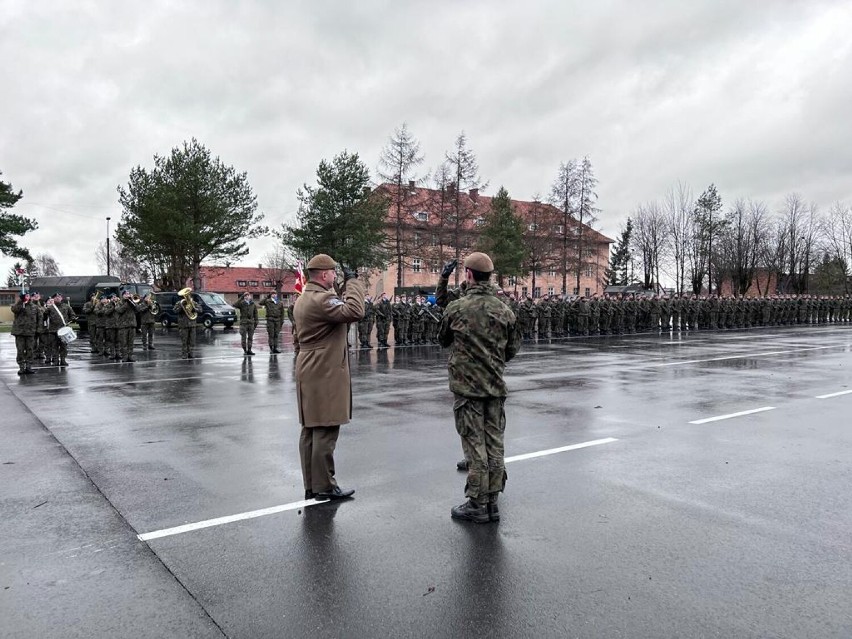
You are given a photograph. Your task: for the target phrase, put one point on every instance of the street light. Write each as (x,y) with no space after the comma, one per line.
(108,219)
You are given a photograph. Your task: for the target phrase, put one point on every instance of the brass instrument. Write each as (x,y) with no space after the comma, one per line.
(155,307)
(187,304)
(136,303)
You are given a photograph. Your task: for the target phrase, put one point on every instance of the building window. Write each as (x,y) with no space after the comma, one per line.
(538,272)
(588,291)
(550,290)
(241,283)
(416,239)
(479,221)
(537,292)
(416,264)
(513,280)
(434,239)
(253,283)
(551,272)
(576,291)
(421,216)
(433,266)
(268,283)
(7,299)
(589,271)
(558,228)
(524,291)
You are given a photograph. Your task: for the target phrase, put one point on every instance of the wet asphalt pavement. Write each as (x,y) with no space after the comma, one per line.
(736,527)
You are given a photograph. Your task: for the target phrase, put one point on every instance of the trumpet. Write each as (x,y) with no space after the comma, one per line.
(187,304)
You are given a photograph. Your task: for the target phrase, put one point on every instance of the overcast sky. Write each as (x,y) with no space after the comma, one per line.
(753,95)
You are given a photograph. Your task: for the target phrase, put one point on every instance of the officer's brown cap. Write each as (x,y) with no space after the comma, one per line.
(479,262)
(321,262)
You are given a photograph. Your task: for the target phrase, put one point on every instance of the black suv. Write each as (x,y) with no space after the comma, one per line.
(214,309)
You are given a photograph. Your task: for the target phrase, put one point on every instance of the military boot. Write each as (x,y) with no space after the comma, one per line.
(471,511)
(493,508)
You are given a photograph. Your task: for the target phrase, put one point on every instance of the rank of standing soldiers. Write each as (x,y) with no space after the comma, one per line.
(415,321)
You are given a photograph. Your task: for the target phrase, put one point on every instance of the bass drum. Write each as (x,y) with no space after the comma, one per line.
(66,334)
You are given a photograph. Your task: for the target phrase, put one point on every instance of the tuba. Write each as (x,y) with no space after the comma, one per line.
(186,303)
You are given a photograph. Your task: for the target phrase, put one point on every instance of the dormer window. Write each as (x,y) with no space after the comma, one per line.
(421,216)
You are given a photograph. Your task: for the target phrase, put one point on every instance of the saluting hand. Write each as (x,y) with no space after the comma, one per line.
(449,267)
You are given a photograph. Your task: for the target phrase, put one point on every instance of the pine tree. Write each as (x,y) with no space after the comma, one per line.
(340,216)
(12,225)
(503,237)
(617,273)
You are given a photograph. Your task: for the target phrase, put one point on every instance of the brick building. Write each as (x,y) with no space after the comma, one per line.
(429,234)
(232,281)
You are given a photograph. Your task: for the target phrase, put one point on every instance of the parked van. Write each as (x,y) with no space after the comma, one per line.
(213,309)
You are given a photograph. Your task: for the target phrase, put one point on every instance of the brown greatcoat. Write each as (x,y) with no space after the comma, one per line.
(323,385)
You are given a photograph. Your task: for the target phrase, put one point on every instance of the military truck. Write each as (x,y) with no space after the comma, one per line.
(77,289)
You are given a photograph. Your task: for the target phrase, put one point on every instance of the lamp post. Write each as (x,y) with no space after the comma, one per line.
(108,219)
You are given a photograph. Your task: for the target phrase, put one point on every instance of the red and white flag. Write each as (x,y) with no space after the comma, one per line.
(300,278)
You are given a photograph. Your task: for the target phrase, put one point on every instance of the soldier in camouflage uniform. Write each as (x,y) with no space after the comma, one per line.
(274,319)
(248,321)
(484,335)
(23,328)
(57,315)
(365,324)
(39,346)
(294,333)
(400,321)
(384,315)
(147,320)
(92,322)
(126,327)
(187,327)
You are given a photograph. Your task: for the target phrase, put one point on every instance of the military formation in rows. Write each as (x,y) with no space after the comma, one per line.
(415,320)
(554,316)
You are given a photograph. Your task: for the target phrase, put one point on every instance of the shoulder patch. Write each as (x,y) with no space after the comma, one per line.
(335,301)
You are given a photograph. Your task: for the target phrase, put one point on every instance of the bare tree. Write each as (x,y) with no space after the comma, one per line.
(462,191)
(740,244)
(539,239)
(122,265)
(801,225)
(47,265)
(563,195)
(678,206)
(838,232)
(650,234)
(397,163)
(277,265)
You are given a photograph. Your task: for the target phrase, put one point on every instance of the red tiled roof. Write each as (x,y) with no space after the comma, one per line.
(429,200)
(224,279)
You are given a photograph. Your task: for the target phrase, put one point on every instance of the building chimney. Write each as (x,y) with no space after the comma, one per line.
(451,188)
(411,185)
(474,194)
(260,266)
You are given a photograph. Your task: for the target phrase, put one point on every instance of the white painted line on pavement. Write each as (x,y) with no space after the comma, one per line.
(742,356)
(562,449)
(209,523)
(740,414)
(846,392)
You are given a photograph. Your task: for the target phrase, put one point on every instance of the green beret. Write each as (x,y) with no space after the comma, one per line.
(321,262)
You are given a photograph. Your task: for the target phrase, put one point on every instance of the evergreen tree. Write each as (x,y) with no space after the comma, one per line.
(708,223)
(618,271)
(503,237)
(188,209)
(13,225)
(340,216)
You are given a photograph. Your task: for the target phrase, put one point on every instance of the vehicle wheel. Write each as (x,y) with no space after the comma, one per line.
(167,322)
(207,321)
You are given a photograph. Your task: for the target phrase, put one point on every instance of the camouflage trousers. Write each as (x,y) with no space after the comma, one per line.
(147,334)
(24,344)
(481,424)
(382,329)
(187,340)
(273,330)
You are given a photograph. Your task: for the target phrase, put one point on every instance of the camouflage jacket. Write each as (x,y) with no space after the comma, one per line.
(248,312)
(484,335)
(26,316)
(274,310)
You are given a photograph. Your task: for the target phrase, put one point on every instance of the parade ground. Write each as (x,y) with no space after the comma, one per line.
(675,485)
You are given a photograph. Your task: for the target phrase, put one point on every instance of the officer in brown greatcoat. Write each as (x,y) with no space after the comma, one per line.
(323,385)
